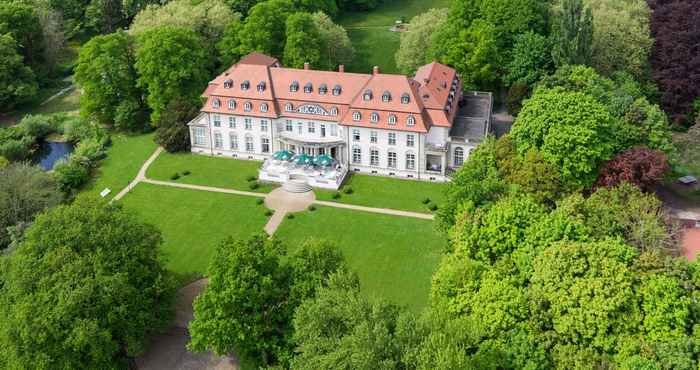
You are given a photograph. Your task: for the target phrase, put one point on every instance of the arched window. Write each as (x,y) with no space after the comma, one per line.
(392,119)
(323,89)
(245,85)
(356,116)
(374,117)
(386,97)
(216,103)
(405,98)
(308,88)
(288,107)
(248,106)
(458,156)
(294,87)
(231,104)
(263,107)
(228,84)
(261,86)
(337,90)
(334,111)
(367,95)
(410,121)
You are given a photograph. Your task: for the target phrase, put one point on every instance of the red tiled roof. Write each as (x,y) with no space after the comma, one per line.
(691,243)
(427,94)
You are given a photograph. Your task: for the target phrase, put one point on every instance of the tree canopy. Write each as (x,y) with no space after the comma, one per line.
(303,41)
(573,34)
(264,29)
(17,81)
(413,52)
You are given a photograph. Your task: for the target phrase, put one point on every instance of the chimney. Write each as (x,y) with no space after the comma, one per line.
(375,70)
(341,68)
(306,66)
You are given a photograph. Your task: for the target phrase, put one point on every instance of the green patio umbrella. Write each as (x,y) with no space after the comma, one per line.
(303,159)
(323,160)
(283,155)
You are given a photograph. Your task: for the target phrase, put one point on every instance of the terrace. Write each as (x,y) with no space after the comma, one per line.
(300,172)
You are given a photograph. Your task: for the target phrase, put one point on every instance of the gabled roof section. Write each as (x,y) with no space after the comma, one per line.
(396,86)
(436,81)
(230,83)
(350,84)
(259,59)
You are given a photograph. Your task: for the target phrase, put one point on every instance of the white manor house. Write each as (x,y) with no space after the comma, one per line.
(313,127)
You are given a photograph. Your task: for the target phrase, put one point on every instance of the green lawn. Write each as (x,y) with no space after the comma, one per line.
(204,170)
(384,192)
(395,257)
(194,222)
(124,159)
(369,32)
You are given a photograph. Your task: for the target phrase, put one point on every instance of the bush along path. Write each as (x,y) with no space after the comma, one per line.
(279,201)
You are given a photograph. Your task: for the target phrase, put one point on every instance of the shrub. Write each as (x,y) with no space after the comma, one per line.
(336,195)
(253,185)
(269,213)
(433,207)
(77,129)
(425,200)
(186,173)
(259,201)
(348,190)
(290,216)
(16,149)
(71,175)
(514,100)
(250,178)
(175,176)
(89,151)
(3,162)
(38,126)
(312,208)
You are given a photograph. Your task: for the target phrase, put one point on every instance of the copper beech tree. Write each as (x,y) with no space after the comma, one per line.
(640,166)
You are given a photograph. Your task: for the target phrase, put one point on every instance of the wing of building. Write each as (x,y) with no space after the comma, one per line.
(313,127)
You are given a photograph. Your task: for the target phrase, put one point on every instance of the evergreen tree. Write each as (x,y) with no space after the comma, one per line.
(573,37)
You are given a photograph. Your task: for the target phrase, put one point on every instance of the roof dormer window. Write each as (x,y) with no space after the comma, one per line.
(245,85)
(386,97)
(294,87)
(288,107)
(261,86)
(263,107)
(323,89)
(248,106)
(231,104)
(367,96)
(228,84)
(337,90)
(356,116)
(308,88)
(216,103)
(405,98)
(374,117)
(410,121)
(392,119)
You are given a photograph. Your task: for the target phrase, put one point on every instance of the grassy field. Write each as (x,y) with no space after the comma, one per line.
(369,32)
(124,159)
(384,192)
(194,222)
(394,257)
(209,171)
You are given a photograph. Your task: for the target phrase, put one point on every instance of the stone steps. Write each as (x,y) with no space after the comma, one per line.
(296,186)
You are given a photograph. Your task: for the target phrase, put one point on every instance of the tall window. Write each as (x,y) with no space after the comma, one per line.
(248,106)
(391,159)
(356,116)
(300,128)
(200,137)
(374,117)
(355,135)
(374,157)
(233,138)
(334,130)
(263,107)
(216,103)
(373,137)
(458,157)
(248,123)
(322,127)
(263,125)
(410,141)
(392,119)
(231,104)
(265,145)
(410,161)
(356,155)
(392,138)
(312,127)
(288,126)
(410,121)
(217,120)
(218,140)
(249,143)
(231,122)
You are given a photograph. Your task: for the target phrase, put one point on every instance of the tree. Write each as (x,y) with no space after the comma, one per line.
(311,6)
(531,59)
(336,47)
(264,29)
(303,41)
(412,52)
(573,34)
(104,16)
(207,18)
(639,166)
(88,276)
(54,36)
(21,21)
(17,82)
(674,57)
(572,131)
(229,47)
(514,17)
(621,37)
(25,191)
(242,6)
(172,133)
(106,73)
(171,63)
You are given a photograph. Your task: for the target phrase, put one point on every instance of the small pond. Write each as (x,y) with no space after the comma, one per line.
(51,152)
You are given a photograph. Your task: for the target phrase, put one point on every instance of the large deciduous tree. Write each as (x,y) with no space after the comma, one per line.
(172,63)
(303,41)
(640,166)
(264,29)
(572,131)
(336,47)
(17,81)
(83,290)
(413,51)
(106,73)
(172,133)
(21,21)
(531,59)
(573,34)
